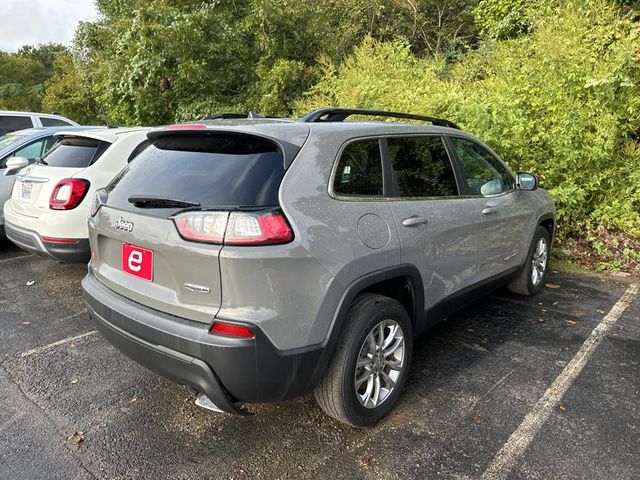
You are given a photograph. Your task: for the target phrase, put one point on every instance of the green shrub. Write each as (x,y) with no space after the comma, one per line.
(562,102)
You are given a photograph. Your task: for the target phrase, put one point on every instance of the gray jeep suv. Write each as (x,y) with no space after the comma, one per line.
(259,259)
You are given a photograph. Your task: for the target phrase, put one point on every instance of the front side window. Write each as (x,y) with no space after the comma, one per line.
(359,171)
(421,167)
(485,175)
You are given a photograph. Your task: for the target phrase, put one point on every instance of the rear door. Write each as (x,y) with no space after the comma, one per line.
(504,218)
(138,250)
(438,228)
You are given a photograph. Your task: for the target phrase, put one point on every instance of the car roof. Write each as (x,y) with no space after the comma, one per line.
(40,114)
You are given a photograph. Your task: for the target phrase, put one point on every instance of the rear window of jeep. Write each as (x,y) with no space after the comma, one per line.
(221,170)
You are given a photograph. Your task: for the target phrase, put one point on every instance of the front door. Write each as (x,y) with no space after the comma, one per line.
(504,218)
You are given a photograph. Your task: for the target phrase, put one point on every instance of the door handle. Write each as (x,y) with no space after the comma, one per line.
(412,221)
(489,210)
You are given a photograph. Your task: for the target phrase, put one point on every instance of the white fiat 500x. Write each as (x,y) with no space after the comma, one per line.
(51,200)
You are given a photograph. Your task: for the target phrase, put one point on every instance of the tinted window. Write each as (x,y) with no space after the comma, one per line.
(53,122)
(484,173)
(31,151)
(222,170)
(421,167)
(359,171)
(75,152)
(9,123)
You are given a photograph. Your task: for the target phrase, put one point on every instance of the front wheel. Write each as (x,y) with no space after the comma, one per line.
(531,278)
(366,375)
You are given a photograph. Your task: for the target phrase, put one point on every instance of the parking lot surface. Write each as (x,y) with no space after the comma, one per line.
(510,387)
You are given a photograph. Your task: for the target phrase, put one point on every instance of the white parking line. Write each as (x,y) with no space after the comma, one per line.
(56,344)
(519,440)
(5,260)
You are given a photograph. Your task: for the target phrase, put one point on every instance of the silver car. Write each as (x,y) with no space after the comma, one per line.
(256,260)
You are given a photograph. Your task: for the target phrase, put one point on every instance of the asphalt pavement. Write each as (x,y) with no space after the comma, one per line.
(511,387)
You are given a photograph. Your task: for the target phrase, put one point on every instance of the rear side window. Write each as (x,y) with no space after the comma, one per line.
(421,167)
(359,171)
(53,122)
(75,152)
(220,170)
(10,123)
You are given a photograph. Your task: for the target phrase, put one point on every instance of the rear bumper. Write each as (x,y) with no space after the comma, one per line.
(76,252)
(228,370)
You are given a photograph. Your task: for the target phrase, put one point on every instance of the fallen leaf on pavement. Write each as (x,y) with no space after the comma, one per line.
(552,285)
(570,322)
(476,420)
(561,408)
(76,438)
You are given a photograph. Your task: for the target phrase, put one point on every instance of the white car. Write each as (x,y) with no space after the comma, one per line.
(51,200)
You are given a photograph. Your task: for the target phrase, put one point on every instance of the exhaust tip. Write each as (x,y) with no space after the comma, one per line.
(205,402)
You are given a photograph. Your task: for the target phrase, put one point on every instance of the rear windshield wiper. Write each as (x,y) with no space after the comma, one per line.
(143,201)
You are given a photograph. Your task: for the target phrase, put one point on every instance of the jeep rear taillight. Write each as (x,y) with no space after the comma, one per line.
(235,228)
(68,193)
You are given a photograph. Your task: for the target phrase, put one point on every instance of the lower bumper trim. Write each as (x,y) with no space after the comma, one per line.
(73,251)
(168,363)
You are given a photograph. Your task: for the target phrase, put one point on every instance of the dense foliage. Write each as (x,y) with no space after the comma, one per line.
(562,102)
(553,86)
(158,61)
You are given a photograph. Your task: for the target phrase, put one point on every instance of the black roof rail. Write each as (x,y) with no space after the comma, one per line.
(331,114)
(226,115)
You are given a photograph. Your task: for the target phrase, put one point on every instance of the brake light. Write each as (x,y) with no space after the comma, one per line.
(68,193)
(186,126)
(232,330)
(257,229)
(235,228)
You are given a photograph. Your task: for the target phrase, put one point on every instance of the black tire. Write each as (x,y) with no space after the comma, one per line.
(336,393)
(523,284)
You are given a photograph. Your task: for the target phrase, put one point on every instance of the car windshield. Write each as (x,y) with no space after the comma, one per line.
(10,139)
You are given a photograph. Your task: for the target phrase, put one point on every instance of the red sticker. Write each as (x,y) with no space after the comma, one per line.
(137,261)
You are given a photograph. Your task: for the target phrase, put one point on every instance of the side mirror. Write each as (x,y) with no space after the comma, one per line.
(15,164)
(492,187)
(526,181)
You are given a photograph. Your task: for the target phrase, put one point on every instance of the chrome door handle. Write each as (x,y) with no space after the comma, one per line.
(489,210)
(412,221)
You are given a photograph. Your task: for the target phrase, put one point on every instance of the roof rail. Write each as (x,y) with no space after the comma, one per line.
(340,114)
(226,115)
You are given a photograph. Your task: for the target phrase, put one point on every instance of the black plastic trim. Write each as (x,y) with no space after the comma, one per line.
(249,370)
(332,114)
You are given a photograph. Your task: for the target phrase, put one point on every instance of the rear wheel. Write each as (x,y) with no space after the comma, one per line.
(365,377)
(531,278)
